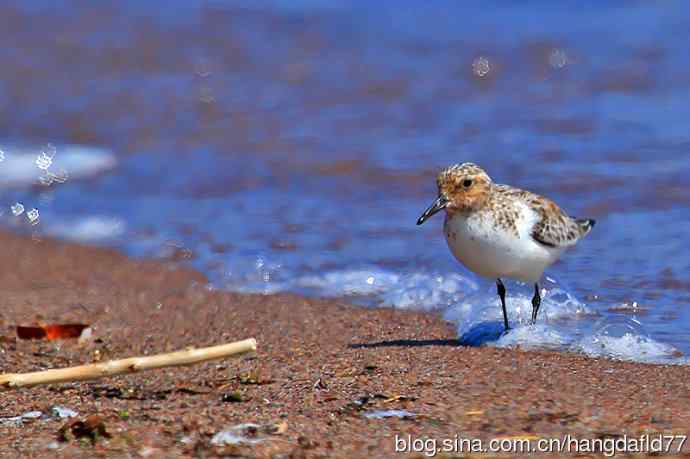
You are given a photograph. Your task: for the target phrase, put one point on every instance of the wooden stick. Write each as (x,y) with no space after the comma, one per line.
(124,366)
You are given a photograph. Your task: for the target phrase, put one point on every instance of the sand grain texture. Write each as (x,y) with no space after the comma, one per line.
(320,365)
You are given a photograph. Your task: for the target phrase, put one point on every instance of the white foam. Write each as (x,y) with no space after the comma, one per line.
(629,346)
(416,291)
(409,291)
(477,312)
(537,336)
(479,319)
(24,166)
(350,282)
(89,229)
(484,307)
(428,292)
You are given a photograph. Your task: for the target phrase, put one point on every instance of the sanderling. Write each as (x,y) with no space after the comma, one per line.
(500,231)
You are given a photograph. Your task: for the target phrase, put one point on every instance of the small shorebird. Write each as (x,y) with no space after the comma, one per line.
(500,231)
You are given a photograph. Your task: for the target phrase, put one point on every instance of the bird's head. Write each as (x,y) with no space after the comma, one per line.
(461,188)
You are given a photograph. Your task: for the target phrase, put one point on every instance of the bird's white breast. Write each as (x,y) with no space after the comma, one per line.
(493,250)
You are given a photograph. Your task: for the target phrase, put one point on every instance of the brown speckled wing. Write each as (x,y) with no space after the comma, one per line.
(554,227)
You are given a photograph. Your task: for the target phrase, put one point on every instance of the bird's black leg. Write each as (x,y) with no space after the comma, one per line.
(501,289)
(536,302)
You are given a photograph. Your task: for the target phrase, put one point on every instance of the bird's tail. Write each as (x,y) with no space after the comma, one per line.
(585,225)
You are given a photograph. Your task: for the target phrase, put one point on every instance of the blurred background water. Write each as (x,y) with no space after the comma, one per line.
(291,145)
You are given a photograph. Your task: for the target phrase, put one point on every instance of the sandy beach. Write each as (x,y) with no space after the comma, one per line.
(321,366)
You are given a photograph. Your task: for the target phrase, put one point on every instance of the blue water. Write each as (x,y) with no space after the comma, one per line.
(291,147)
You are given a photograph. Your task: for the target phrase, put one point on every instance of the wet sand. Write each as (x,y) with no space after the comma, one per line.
(321,364)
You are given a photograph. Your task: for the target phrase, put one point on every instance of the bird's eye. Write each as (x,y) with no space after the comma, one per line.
(467,183)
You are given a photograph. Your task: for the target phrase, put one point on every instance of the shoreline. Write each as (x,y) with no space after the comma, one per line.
(320,365)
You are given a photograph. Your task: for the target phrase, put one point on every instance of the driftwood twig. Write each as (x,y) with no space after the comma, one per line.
(125,366)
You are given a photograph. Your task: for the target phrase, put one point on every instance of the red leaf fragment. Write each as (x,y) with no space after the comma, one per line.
(50,332)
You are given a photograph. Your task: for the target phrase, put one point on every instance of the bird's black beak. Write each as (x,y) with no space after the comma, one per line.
(438,205)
